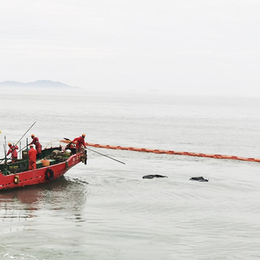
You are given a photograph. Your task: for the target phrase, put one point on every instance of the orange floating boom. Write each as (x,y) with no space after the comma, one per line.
(215,156)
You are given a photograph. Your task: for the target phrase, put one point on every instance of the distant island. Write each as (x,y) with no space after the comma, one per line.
(43,84)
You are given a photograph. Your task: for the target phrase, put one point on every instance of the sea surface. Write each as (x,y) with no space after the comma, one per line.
(105,210)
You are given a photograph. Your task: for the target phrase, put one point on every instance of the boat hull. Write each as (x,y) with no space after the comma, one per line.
(37,176)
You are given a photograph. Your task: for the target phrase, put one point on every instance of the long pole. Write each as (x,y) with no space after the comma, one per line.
(4,146)
(5,155)
(25,133)
(99,153)
(21,149)
(105,155)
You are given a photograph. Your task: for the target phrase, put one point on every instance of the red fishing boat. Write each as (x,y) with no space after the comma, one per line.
(56,162)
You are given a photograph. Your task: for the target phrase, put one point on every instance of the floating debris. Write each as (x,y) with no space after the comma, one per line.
(154,176)
(201,179)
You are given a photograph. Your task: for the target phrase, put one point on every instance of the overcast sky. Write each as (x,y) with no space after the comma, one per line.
(183,46)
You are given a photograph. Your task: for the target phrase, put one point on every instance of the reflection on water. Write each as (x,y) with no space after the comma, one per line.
(60,195)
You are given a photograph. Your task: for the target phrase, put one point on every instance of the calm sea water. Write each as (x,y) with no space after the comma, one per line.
(105,210)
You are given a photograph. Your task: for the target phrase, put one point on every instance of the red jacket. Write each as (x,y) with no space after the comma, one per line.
(36,142)
(79,142)
(12,151)
(32,154)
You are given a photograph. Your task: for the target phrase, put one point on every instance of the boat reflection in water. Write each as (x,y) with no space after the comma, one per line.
(65,196)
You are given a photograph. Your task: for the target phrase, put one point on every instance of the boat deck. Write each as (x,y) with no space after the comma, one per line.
(23,164)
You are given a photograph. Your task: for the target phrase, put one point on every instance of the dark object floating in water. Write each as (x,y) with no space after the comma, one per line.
(199,179)
(79,181)
(154,176)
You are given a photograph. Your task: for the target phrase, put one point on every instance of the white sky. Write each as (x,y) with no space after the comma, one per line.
(183,46)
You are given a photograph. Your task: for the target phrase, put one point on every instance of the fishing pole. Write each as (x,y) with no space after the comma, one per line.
(105,155)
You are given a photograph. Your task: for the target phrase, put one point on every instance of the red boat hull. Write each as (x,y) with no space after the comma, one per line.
(37,176)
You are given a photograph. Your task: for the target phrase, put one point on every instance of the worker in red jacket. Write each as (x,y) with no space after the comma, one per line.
(32,157)
(13,151)
(37,144)
(79,141)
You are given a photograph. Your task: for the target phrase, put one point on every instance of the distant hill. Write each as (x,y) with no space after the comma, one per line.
(37,84)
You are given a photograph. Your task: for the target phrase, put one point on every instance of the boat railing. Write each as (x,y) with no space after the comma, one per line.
(63,145)
(55,152)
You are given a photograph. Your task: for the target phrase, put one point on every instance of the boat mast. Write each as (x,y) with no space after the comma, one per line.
(5,170)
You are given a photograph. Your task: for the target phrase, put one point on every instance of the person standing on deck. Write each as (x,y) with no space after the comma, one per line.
(37,144)
(79,141)
(32,157)
(13,151)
